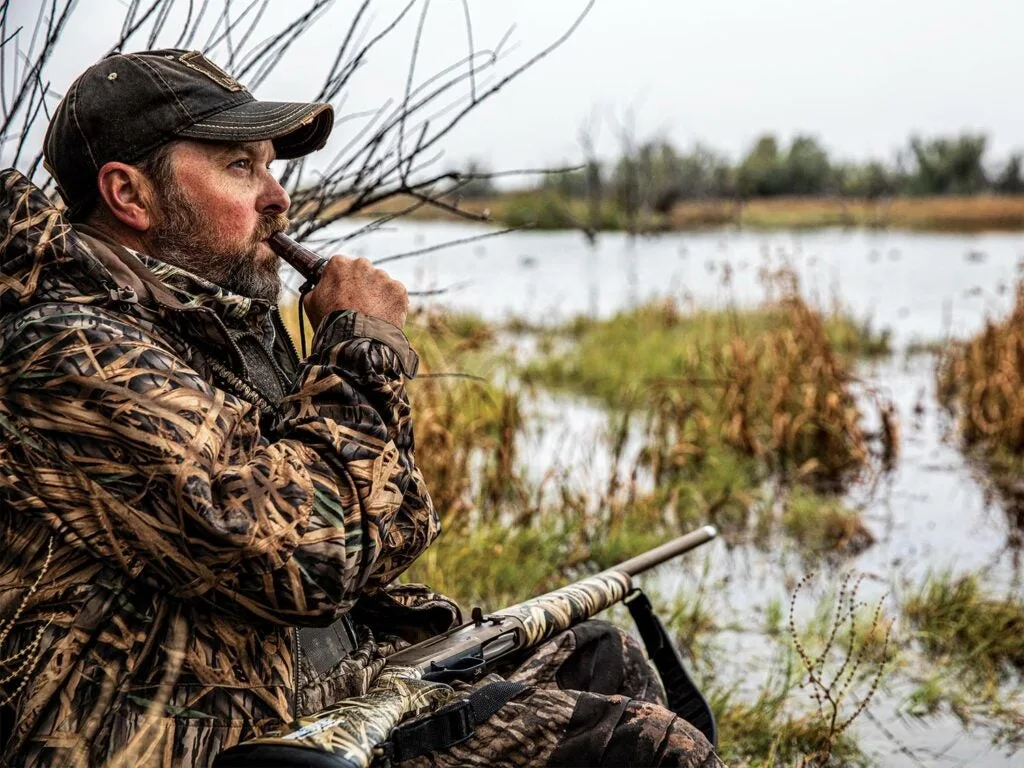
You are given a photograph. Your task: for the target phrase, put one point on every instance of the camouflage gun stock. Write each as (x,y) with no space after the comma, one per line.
(416,680)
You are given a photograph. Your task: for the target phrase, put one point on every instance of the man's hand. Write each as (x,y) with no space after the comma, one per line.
(356,284)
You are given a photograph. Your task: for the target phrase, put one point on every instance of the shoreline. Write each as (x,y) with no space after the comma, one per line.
(546,211)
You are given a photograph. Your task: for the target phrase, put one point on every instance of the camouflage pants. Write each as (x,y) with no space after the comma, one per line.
(593,701)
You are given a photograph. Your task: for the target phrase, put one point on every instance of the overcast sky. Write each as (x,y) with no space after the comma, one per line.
(860,74)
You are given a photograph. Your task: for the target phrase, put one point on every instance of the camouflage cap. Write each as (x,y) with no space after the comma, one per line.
(127,105)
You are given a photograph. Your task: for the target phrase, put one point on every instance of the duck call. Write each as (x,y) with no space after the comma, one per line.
(304,261)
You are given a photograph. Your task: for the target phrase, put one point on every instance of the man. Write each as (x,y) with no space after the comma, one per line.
(201,532)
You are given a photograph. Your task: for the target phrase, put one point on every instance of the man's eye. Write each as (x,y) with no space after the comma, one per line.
(244,163)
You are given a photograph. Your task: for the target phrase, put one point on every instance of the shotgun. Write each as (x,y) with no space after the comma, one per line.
(417,679)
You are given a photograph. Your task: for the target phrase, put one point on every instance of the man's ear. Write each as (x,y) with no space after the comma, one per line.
(128,194)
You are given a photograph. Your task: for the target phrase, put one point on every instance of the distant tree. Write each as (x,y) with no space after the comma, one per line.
(653,176)
(949,166)
(627,181)
(698,174)
(807,168)
(762,172)
(1011,180)
(661,166)
(592,174)
(626,185)
(572,184)
(871,180)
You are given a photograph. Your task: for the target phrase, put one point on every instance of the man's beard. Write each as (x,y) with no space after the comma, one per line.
(182,238)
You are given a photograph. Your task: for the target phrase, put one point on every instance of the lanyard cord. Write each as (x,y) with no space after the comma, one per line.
(308,286)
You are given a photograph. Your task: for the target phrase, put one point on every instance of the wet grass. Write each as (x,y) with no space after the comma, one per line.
(823,525)
(975,656)
(767,731)
(957,623)
(770,384)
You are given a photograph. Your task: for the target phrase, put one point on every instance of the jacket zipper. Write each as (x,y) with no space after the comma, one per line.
(296,649)
(279,324)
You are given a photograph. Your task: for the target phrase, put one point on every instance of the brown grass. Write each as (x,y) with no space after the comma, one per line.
(949,214)
(982,381)
(768,384)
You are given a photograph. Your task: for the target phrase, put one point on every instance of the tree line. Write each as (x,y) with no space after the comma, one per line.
(654,175)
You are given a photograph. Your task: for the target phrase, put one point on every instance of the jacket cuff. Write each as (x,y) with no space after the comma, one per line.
(346,324)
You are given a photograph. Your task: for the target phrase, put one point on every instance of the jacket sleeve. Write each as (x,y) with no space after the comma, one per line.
(375,357)
(143,462)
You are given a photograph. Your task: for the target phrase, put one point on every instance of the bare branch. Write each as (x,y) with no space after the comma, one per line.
(389,151)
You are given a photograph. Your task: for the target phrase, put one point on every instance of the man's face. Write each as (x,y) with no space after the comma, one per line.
(217,206)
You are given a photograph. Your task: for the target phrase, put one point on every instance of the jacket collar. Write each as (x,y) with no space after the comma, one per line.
(176,288)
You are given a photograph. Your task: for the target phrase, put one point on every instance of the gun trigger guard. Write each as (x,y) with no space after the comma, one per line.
(466,669)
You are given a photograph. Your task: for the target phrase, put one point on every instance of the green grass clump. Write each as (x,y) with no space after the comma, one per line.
(976,656)
(938,690)
(957,623)
(822,525)
(854,338)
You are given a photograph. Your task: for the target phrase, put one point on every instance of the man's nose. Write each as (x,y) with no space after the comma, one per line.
(274,198)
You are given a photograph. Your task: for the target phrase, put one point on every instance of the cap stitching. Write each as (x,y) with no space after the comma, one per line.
(283,119)
(141,60)
(74,116)
(236,126)
(266,124)
(236,99)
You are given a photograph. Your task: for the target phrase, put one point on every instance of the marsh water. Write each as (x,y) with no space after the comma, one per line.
(931,513)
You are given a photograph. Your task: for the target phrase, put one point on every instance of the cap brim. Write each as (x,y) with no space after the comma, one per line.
(296,129)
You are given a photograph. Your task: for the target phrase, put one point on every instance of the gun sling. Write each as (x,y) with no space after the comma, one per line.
(451,724)
(684,698)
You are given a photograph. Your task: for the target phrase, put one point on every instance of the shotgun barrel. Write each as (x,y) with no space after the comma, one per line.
(667,551)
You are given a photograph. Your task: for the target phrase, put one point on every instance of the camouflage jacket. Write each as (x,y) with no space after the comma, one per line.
(177,491)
